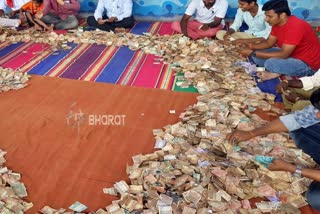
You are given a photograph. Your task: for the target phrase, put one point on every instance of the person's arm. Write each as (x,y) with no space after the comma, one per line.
(247,41)
(283,86)
(127,10)
(304,118)
(283,53)
(29,17)
(238,20)
(220,14)
(264,44)
(191,9)
(306,83)
(313,174)
(294,83)
(275,126)
(184,23)
(216,22)
(280,165)
(268,43)
(98,13)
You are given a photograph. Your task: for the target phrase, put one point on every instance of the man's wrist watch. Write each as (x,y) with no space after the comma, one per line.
(298,172)
(253,53)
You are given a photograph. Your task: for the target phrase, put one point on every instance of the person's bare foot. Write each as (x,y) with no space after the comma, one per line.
(120,30)
(50,28)
(265,75)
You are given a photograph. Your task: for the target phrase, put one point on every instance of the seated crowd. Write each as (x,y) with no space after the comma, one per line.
(279,42)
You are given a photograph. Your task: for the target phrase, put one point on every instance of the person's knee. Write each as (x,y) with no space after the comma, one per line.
(66,26)
(91,20)
(48,19)
(313,195)
(130,23)
(176,26)
(271,65)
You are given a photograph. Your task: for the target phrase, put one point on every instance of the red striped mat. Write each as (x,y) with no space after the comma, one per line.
(139,70)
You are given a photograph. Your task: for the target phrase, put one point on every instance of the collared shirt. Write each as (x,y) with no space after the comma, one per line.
(114,8)
(70,7)
(204,15)
(311,82)
(301,119)
(17,4)
(257,24)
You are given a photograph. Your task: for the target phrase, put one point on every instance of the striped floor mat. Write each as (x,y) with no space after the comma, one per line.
(92,62)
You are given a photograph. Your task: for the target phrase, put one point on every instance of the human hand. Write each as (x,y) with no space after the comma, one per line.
(112,19)
(241,43)
(246,52)
(238,42)
(204,27)
(282,87)
(292,97)
(280,165)
(226,37)
(238,136)
(102,21)
(61,2)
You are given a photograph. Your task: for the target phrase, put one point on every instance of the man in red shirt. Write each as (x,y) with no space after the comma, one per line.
(60,13)
(298,49)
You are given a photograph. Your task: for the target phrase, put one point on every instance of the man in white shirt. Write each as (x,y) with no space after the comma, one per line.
(112,15)
(296,93)
(251,13)
(208,19)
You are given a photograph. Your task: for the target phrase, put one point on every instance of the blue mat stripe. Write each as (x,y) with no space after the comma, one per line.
(8,49)
(116,66)
(141,27)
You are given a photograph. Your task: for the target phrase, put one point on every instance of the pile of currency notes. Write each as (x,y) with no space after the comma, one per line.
(12,80)
(12,190)
(194,168)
